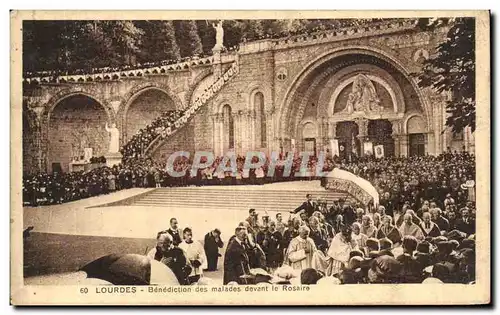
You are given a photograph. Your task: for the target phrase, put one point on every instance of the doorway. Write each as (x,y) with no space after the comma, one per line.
(417,144)
(346,133)
(380,133)
(310,145)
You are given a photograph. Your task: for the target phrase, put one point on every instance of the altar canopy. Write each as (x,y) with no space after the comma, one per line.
(361,189)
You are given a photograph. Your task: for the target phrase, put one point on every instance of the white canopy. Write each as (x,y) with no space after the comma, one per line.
(359,188)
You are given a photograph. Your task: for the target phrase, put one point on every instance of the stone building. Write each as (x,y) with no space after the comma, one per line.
(354,85)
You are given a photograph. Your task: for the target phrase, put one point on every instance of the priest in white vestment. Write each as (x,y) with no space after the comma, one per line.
(195,254)
(410,228)
(301,250)
(340,248)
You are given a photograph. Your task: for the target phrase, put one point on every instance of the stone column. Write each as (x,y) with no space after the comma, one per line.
(244,131)
(219,134)
(430,143)
(403,140)
(238,135)
(321,129)
(396,136)
(270,146)
(217,64)
(251,117)
(332,130)
(215,132)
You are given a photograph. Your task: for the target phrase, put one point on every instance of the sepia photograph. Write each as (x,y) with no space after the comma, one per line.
(310,158)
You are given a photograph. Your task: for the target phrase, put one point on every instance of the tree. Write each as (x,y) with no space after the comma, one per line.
(158,41)
(452,70)
(188,39)
(126,38)
(207,35)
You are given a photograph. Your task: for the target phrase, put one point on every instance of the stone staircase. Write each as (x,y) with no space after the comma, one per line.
(232,197)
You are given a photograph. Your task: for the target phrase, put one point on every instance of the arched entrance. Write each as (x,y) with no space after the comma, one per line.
(359,94)
(76,124)
(144,107)
(380,133)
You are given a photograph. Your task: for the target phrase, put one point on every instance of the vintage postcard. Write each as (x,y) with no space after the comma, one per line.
(250,158)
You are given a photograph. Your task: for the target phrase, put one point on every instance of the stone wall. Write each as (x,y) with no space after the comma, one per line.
(75,124)
(182,140)
(275,68)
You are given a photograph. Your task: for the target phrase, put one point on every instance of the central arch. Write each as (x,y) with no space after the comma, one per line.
(287,116)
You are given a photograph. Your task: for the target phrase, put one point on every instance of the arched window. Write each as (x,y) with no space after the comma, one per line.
(260,107)
(228,127)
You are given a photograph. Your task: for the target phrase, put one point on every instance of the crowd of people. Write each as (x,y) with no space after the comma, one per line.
(350,244)
(423,231)
(139,142)
(398,180)
(187,258)
(339,243)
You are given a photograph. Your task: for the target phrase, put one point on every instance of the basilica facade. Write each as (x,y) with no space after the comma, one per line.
(345,88)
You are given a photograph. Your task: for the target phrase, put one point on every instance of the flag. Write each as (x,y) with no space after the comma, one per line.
(379,151)
(334,147)
(368,148)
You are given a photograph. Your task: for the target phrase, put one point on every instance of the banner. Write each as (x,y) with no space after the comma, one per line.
(379,151)
(293,145)
(334,144)
(368,148)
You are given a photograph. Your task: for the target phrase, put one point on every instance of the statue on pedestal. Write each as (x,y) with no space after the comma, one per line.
(219,36)
(114,138)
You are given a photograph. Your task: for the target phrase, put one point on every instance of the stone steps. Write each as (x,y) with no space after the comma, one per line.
(234,199)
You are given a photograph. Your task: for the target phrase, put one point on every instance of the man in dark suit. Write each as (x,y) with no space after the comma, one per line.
(309,206)
(466,224)
(236,262)
(212,244)
(441,221)
(173,230)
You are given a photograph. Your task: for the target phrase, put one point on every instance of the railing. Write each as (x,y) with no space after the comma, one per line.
(108,74)
(105,74)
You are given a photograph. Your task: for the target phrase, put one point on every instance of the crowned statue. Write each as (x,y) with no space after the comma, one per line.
(363,97)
